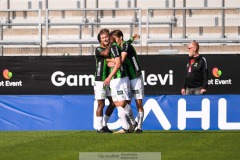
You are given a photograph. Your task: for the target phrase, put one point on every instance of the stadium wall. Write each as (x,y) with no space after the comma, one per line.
(77,112)
(56,93)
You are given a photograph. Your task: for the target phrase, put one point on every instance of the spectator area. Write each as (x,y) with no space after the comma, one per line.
(58,27)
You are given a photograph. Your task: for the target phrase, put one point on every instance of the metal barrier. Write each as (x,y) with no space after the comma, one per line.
(74,31)
(18,33)
(90,21)
(174,28)
(185,24)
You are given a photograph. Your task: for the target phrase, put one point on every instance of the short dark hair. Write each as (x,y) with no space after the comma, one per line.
(98,38)
(117,33)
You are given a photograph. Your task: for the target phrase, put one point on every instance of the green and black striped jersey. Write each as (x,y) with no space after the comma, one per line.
(102,70)
(132,63)
(116,52)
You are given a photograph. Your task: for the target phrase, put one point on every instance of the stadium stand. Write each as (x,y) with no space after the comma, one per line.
(58,27)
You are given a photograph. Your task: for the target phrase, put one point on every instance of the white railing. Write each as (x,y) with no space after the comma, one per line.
(11,27)
(79,27)
(91,21)
(185,19)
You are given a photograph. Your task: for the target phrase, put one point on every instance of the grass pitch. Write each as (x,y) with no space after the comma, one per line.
(66,145)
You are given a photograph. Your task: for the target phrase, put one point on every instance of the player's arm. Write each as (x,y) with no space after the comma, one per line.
(110,62)
(133,38)
(106,52)
(125,51)
(123,56)
(117,65)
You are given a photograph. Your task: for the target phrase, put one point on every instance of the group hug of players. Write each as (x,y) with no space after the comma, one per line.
(118,78)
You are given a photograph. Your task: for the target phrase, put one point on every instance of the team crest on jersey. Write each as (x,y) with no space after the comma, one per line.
(99,49)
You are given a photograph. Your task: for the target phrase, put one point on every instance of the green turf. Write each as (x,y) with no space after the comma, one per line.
(66,145)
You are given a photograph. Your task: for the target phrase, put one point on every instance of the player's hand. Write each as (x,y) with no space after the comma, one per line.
(111,39)
(110,64)
(106,82)
(136,36)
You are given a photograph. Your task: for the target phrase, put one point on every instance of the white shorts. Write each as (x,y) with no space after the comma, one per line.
(100,91)
(137,87)
(120,89)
